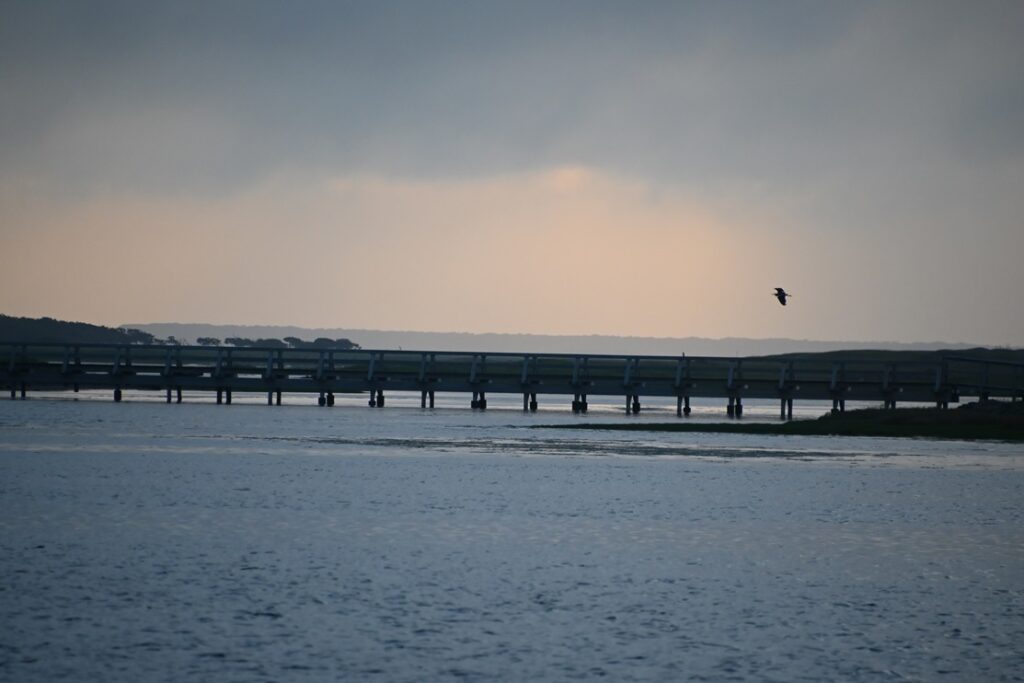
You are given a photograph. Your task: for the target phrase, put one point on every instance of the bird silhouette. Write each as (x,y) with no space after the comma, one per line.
(781,295)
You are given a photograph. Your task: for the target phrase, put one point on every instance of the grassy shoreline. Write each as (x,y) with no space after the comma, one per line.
(994,420)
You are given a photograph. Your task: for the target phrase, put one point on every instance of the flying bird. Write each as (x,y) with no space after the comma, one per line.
(781,295)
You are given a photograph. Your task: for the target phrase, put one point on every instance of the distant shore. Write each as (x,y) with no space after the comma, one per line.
(993,420)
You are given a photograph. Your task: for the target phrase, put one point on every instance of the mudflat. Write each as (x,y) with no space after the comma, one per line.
(997,420)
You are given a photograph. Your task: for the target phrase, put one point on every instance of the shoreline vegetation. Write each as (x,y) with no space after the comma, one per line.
(51,331)
(991,420)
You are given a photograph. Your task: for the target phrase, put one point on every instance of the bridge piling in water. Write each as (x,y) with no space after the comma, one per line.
(786,409)
(682,406)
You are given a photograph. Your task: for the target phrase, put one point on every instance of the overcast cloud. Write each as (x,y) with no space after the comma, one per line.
(879,146)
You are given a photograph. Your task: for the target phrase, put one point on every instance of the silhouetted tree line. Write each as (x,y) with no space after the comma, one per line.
(286,343)
(51,331)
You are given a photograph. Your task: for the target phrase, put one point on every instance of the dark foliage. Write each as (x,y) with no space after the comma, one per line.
(137,336)
(320,343)
(51,331)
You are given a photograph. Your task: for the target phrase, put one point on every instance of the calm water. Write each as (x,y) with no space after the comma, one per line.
(141,541)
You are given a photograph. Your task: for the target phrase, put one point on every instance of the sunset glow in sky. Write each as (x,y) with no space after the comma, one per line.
(575,167)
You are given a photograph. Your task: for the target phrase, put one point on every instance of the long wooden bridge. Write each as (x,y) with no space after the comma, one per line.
(327,372)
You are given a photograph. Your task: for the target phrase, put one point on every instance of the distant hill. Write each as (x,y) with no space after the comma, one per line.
(49,330)
(539,343)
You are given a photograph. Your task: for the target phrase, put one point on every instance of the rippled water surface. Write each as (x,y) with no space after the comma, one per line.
(140,541)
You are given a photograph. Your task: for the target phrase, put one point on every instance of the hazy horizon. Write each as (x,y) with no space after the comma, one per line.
(580,168)
(543,343)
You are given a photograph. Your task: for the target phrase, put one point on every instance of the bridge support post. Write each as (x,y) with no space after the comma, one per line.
(270,398)
(178,397)
(730,409)
(842,405)
(782,409)
(526,402)
(636,403)
(380,398)
(373,399)
(789,409)
(430,397)
(24,390)
(14,393)
(117,395)
(835,406)
(423,399)
(330,399)
(75,387)
(575,403)
(679,406)
(227,396)
(482,402)
(321,400)
(168,394)
(278,398)
(686,406)
(533,403)
(474,403)
(220,397)
(739,406)
(583,403)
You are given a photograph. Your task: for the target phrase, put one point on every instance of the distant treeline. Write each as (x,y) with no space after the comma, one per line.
(51,331)
(286,343)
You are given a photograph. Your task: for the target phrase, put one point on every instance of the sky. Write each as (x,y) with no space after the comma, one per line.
(627,168)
